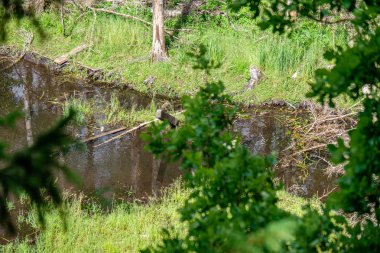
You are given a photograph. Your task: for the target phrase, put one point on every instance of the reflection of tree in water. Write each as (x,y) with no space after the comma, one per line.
(90,170)
(115,167)
(27,81)
(142,167)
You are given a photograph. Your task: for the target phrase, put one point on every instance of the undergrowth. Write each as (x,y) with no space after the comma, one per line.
(128,227)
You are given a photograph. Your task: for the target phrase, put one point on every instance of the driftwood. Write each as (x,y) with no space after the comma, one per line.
(64,58)
(126,132)
(104,134)
(132,130)
(163,115)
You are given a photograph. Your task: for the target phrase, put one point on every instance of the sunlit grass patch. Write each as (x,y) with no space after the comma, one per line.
(116,114)
(123,47)
(128,227)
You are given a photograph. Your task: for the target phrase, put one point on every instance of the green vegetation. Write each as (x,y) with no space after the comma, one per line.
(122,48)
(127,227)
(233,204)
(112,113)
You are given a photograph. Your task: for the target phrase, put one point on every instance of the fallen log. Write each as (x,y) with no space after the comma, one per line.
(126,132)
(104,134)
(132,130)
(64,58)
(163,115)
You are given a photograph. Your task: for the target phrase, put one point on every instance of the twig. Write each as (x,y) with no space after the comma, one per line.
(129,17)
(5,239)
(333,118)
(326,22)
(326,193)
(64,58)
(121,15)
(289,104)
(311,148)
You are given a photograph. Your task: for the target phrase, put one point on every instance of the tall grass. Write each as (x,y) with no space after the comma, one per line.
(116,114)
(83,109)
(128,227)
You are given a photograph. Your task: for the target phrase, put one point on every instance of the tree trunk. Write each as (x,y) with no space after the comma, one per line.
(159,52)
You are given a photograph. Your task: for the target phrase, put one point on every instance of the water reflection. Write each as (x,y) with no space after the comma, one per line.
(122,166)
(115,169)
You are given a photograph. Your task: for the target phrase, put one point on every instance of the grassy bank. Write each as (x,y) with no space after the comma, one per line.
(122,47)
(127,228)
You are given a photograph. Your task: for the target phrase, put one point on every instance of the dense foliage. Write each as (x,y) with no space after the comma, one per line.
(234,196)
(33,170)
(216,223)
(355,74)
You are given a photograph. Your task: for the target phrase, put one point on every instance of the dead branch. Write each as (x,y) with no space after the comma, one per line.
(167,31)
(126,132)
(121,15)
(326,193)
(312,134)
(105,134)
(142,125)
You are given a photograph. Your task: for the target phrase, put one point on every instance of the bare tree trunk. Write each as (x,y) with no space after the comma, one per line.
(159,52)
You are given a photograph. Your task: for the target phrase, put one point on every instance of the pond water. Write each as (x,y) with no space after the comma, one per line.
(122,167)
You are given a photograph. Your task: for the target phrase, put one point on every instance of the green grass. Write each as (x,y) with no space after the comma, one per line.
(116,114)
(94,112)
(82,107)
(123,47)
(129,227)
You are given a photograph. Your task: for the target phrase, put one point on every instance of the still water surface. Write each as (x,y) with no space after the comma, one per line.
(123,166)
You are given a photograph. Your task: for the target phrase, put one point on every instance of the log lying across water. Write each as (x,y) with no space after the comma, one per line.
(160,115)
(105,134)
